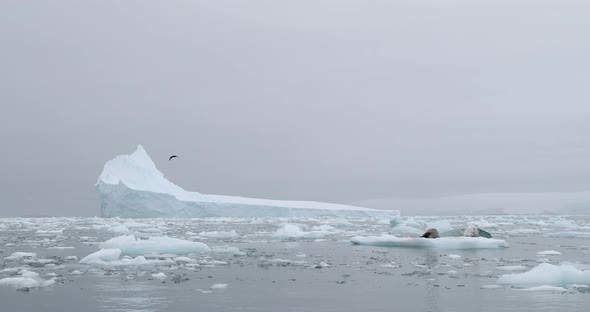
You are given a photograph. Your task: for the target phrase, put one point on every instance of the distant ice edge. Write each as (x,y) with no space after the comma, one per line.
(131,186)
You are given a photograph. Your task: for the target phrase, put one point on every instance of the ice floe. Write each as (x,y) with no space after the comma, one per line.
(548,274)
(103,255)
(27,279)
(129,244)
(438,243)
(548,253)
(20,255)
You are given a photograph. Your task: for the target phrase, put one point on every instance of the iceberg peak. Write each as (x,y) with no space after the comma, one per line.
(139,172)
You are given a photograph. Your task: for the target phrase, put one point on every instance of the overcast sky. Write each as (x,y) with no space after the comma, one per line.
(333,101)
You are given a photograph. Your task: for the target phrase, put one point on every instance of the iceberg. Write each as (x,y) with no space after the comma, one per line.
(130,186)
(438,243)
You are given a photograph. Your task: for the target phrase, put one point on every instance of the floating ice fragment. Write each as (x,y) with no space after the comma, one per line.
(20,255)
(547,274)
(27,279)
(545,288)
(160,275)
(158,244)
(438,243)
(548,253)
(218,286)
(105,255)
(322,264)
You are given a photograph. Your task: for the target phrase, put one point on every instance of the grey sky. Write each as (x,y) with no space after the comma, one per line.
(322,100)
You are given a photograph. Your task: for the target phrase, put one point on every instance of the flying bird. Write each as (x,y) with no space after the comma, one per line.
(173,156)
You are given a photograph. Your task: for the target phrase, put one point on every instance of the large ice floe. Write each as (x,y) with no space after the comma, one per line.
(129,244)
(438,243)
(548,274)
(131,186)
(113,248)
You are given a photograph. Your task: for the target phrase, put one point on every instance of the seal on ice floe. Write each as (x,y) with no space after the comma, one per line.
(431,233)
(470,231)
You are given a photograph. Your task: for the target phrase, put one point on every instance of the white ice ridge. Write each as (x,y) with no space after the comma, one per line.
(548,274)
(131,186)
(437,243)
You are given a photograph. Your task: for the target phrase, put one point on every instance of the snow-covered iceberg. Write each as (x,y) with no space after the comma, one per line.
(131,186)
(438,243)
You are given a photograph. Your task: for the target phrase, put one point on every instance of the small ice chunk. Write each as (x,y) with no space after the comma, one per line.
(322,264)
(103,255)
(545,288)
(27,279)
(218,286)
(20,255)
(289,231)
(160,275)
(76,272)
(454,256)
(548,253)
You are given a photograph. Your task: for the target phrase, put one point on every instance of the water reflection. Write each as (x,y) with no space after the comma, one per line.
(432,293)
(117,294)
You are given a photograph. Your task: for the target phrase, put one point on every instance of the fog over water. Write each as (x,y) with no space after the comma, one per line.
(336,101)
